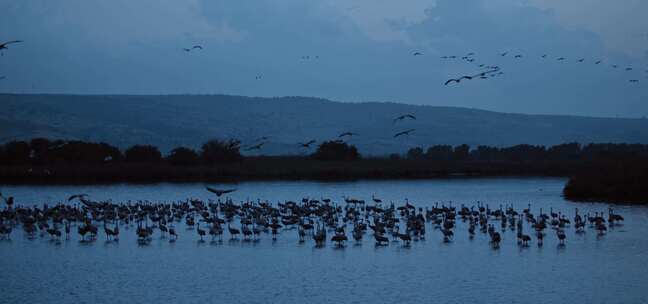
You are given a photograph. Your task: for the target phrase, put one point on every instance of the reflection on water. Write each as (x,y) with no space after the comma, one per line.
(607,269)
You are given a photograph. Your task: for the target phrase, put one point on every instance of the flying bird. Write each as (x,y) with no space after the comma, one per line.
(417,54)
(255,147)
(561,59)
(470,54)
(581,60)
(79,196)
(628,69)
(634,80)
(3,46)
(544,56)
(187,50)
(458,80)
(503,54)
(406,132)
(197,47)
(347,134)
(257,77)
(598,62)
(219,192)
(307,144)
(404,116)
(518,56)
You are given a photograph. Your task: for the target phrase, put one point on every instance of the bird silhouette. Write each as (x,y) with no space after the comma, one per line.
(219,192)
(197,47)
(187,50)
(598,62)
(79,196)
(634,80)
(350,134)
(581,60)
(417,54)
(406,132)
(307,144)
(255,147)
(518,56)
(457,80)
(503,54)
(561,59)
(411,116)
(544,56)
(3,46)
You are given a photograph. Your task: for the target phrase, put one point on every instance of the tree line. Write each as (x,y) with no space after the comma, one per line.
(41,151)
(561,152)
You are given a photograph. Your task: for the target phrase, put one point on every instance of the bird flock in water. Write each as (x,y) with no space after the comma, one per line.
(315,220)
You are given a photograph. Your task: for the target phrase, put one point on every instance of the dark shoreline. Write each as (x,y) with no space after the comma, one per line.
(279,169)
(609,182)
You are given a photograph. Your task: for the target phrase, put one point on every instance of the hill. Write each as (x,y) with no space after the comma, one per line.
(172,120)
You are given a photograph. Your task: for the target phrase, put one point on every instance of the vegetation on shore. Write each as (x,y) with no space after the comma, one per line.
(598,172)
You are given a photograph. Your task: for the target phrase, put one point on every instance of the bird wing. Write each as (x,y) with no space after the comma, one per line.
(13,41)
(76,196)
(212,190)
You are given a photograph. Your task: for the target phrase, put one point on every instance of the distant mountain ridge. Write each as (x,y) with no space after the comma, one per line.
(173,120)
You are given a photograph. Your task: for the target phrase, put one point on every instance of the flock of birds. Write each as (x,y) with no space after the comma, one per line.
(317,220)
(258,143)
(490,71)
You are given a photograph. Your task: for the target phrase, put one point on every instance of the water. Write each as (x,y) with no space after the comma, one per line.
(609,269)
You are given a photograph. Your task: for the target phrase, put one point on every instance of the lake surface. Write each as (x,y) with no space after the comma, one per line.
(589,269)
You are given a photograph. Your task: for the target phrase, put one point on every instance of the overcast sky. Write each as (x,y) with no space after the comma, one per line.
(363,47)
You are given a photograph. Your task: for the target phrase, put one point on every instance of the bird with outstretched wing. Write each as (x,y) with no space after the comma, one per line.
(219,192)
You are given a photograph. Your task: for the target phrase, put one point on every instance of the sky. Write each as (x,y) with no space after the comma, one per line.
(358,50)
